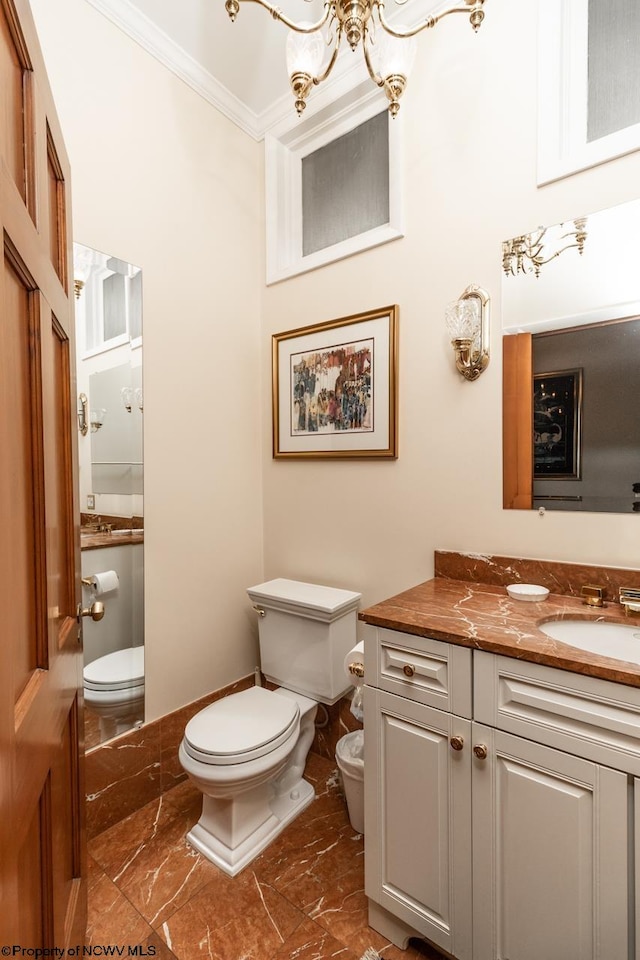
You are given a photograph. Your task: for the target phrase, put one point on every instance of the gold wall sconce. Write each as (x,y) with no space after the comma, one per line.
(83,419)
(467,321)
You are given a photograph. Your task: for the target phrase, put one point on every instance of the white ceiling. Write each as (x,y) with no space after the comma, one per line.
(239,67)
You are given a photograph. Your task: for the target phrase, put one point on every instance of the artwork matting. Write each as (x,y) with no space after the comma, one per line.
(335,388)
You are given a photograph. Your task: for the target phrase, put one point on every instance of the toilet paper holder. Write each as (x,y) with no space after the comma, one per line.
(356,669)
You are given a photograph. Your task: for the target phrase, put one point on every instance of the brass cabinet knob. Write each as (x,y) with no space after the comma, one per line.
(95,611)
(457,743)
(480,751)
(408,670)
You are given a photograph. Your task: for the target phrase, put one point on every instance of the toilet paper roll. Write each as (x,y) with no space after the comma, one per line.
(355,656)
(105,582)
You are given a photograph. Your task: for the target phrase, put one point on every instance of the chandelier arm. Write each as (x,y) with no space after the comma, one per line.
(367,59)
(569,246)
(277,14)
(412,31)
(329,66)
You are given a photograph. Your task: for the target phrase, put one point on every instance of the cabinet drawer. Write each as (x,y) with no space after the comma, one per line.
(585,716)
(427,671)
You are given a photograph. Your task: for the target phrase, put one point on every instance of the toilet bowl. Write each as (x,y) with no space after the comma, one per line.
(246,753)
(114,689)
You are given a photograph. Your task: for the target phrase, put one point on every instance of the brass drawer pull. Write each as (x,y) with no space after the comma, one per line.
(480,751)
(457,743)
(408,670)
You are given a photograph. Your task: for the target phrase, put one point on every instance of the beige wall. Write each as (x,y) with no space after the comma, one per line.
(164,181)
(153,183)
(469,120)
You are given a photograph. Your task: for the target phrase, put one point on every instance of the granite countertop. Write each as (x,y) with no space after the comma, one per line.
(91,540)
(484,617)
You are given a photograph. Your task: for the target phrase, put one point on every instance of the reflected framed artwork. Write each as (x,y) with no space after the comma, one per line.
(335,388)
(557,417)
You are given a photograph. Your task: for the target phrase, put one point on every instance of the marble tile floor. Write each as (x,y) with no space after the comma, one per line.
(302,899)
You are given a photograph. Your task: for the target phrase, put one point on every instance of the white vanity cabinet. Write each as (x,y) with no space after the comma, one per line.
(418,790)
(518,845)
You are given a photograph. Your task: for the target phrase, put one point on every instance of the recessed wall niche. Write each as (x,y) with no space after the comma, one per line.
(333,184)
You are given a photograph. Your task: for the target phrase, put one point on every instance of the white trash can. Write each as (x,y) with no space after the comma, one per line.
(350,760)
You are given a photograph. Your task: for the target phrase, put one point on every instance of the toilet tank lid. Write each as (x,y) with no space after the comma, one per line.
(296,596)
(123,667)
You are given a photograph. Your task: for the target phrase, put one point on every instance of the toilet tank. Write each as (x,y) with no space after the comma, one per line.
(306,631)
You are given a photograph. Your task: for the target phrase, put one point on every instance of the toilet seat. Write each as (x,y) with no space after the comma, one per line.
(121,670)
(241,727)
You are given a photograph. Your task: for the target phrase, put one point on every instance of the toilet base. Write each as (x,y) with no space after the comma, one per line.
(284,809)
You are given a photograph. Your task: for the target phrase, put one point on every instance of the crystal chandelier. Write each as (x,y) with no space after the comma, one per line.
(528,253)
(388,53)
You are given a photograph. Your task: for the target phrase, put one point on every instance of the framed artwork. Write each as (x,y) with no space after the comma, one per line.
(335,388)
(557,414)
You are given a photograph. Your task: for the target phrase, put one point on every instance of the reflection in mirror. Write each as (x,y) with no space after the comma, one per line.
(571,382)
(110,435)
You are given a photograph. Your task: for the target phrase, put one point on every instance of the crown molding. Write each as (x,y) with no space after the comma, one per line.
(155,41)
(345,77)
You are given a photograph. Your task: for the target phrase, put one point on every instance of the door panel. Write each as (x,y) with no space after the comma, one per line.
(549,854)
(13,70)
(19,597)
(418,827)
(41,774)
(57,214)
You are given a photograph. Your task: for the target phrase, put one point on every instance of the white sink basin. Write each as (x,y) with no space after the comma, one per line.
(615,640)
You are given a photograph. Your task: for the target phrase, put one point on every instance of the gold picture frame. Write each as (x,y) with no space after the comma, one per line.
(335,388)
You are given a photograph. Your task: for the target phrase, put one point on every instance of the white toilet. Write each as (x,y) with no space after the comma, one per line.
(247,752)
(114,690)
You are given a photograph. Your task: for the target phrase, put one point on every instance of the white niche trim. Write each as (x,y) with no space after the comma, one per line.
(285,148)
(563,47)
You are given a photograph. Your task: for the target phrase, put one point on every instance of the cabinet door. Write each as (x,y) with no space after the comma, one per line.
(418,818)
(549,854)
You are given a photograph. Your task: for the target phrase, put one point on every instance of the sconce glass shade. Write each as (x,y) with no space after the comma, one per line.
(96,419)
(462,319)
(392,56)
(467,321)
(305,52)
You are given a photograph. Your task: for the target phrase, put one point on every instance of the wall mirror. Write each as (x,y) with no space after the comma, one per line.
(110,438)
(571,383)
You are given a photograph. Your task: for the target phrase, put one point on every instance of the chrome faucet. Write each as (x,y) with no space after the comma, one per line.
(630,600)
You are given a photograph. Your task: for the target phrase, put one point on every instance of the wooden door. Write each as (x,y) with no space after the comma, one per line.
(550,854)
(418,818)
(517,422)
(42,894)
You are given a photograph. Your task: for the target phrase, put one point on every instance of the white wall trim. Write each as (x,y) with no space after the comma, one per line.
(155,41)
(286,145)
(346,74)
(563,148)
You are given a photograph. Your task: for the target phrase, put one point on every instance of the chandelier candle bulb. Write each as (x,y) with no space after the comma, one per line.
(360,21)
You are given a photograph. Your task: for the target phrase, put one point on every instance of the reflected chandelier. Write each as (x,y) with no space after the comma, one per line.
(527,254)
(388,53)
